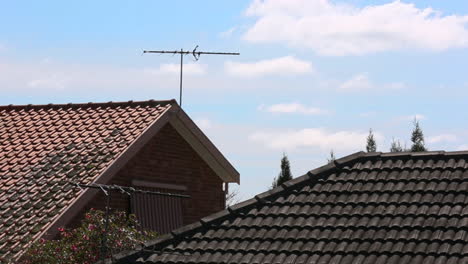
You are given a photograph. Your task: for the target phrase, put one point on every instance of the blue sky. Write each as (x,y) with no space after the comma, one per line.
(313,75)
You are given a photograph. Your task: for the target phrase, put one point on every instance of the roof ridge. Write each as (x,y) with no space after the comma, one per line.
(150,102)
(411,154)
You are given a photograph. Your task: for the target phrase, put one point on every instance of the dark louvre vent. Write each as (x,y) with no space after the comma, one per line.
(156,212)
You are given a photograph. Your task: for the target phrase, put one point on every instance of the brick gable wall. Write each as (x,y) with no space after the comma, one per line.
(168,158)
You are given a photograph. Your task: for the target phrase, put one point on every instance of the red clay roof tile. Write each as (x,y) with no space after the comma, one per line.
(44,146)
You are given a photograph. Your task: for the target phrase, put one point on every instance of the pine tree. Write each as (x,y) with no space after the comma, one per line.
(417,137)
(332,156)
(371,144)
(396,146)
(285,174)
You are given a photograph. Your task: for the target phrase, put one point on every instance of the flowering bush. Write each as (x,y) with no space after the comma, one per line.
(83,244)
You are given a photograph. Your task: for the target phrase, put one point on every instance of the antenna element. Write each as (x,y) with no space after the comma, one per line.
(196,55)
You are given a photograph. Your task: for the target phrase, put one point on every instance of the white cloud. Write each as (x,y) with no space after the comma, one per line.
(47,76)
(412,117)
(357,83)
(52,81)
(362,82)
(288,65)
(463,147)
(395,85)
(368,114)
(331,28)
(228,33)
(289,108)
(173,68)
(442,138)
(203,123)
(314,138)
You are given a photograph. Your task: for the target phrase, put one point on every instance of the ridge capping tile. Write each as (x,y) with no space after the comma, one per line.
(371,154)
(296,181)
(88,104)
(242,205)
(346,159)
(329,167)
(396,154)
(148,244)
(215,216)
(269,193)
(427,153)
(158,240)
(457,153)
(184,229)
(124,254)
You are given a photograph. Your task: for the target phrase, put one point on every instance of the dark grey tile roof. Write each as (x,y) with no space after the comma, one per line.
(364,208)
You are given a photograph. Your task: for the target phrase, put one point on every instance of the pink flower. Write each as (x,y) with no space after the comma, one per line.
(74,248)
(61,229)
(91,227)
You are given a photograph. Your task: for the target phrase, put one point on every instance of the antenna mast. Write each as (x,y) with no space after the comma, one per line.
(196,55)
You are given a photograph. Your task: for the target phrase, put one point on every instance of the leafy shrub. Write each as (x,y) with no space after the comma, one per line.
(83,244)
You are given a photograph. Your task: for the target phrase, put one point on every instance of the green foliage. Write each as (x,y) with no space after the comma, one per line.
(371,144)
(285,174)
(417,137)
(396,146)
(83,244)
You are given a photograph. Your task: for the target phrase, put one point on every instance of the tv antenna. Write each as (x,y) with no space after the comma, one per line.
(106,189)
(196,55)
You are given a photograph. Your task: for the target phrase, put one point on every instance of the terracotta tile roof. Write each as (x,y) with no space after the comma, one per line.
(44,146)
(364,208)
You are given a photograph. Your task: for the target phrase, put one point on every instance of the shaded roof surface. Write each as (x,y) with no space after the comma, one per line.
(364,208)
(42,147)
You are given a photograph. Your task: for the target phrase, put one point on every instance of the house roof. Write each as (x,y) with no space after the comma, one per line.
(44,147)
(363,208)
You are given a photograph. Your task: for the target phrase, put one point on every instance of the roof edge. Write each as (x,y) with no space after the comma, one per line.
(89,104)
(136,253)
(205,148)
(410,154)
(348,159)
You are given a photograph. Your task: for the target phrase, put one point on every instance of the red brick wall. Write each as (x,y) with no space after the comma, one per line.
(168,158)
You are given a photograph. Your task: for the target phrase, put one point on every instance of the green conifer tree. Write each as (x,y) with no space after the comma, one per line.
(285,174)
(332,156)
(417,137)
(371,144)
(396,146)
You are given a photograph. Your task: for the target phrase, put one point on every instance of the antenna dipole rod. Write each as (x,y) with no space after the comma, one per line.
(186,52)
(181,71)
(196,54)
